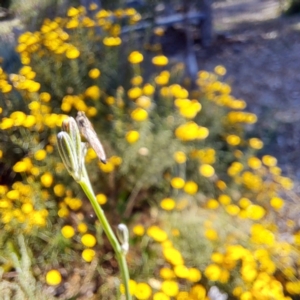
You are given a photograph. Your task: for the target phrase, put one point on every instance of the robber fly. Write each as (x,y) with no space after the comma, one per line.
(87,130)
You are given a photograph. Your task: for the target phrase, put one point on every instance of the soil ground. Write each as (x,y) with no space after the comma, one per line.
(261,52)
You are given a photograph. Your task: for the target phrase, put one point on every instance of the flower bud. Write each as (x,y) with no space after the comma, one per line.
(123,236)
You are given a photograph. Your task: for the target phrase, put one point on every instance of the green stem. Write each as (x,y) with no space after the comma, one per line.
(86,186)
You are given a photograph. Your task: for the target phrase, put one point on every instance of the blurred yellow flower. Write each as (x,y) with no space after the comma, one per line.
(20,166)
(211,234)
(72,12)
(212,204)
(101,199)
(194,275)
(277,203)
(190,187)
(179,157)
(53,277)
(106,168)
(269,160)
(256,143)
(220,70)
(132,287)
(143,102)
(255,212)
(160,296)
(224,199)
(160,60)
(134,92)
(82,227)
(136,80)
(157,234)
(254,162)
(233,140)
(72,53)
(166,273)
(88,240)
(181,271)
(45,97)
(132,136)
(138,230)
(212,272)
(112,41)
(142,291)
(40,154)
(167,204)
(94,73)
(68,231)
(92,92)
(170,288)
(47,179)
(135,57)
(148,89)
(139,114)
(177,183)
(206,170)
(88,254)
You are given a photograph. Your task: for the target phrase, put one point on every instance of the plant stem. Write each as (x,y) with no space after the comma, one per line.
(86,186)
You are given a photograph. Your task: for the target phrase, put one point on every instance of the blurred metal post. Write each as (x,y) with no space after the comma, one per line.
(205,6)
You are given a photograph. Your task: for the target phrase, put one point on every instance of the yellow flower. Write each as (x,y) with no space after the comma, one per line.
(136,80)
(45,97)
(179,157)
(167,204)
(148,89)
(166,273)
(177,183)
(160,60)
(212,204)
(6,123)
(92,92)
(181,271)
(106,168)
(255,212)
(88,254)
(139,114)
(53,277)
(143,102)
(135,57)
(206,170)
(254,163)
(212,272)
(142,291)
(224,199)
(277,203)
(269,160)
(40,154)
(47,179)
(139,230)
(72,12)
(112,41)
(132,136)
(211,234)
(232,209)
(170,288)
(256,143)
(134,92)
(160,296)
(82,227)
(220,70)
(94,73)
(191,131)
(88,240)
(157,234)
(194,275)
(132,287)
(233,140)
(190,187)
(101,198)
(72,53)
(68,231)
(27,208)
